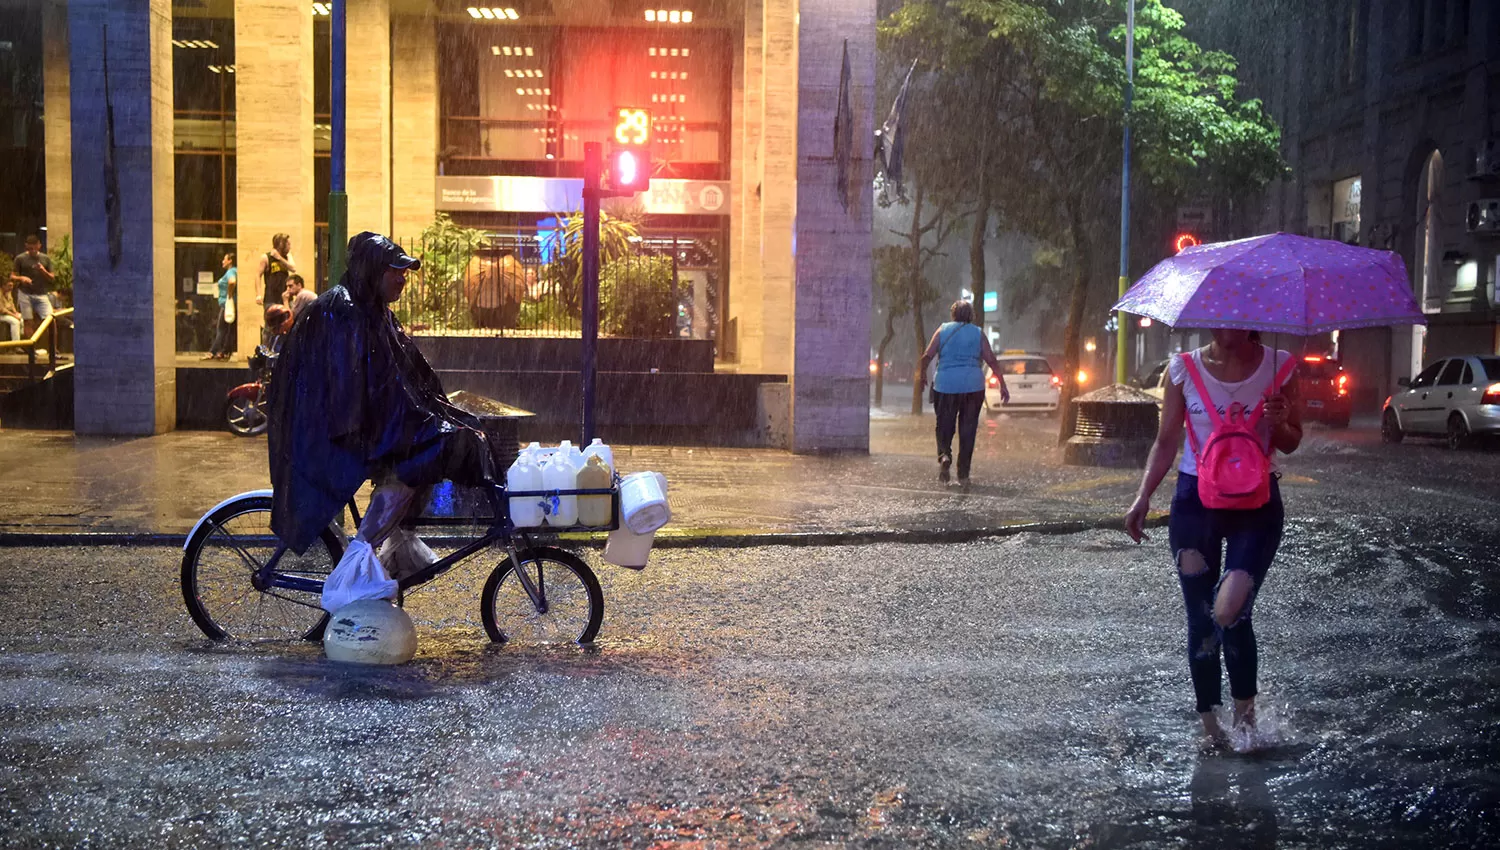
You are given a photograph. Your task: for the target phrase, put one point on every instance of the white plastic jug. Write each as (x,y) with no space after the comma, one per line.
(626,548)
(561,473)
(593,511)
(524,474)
(598,449)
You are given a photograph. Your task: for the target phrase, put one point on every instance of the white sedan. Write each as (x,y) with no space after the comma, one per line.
(1455,398)
(1032,385)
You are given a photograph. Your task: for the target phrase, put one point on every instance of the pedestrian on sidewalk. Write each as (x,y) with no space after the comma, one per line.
(224,338)
(1222,554)
(961,349)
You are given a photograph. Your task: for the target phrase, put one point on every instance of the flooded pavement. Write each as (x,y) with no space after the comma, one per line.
(1026,692)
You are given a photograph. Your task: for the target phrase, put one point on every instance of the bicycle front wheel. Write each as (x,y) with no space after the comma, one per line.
(219,576)
(568,609)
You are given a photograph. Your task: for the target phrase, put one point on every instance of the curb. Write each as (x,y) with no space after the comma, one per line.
(686,539)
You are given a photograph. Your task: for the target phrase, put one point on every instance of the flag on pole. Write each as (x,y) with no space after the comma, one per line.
(893,134)
(843,137)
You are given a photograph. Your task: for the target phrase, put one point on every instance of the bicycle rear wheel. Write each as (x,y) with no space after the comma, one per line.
(572,605)
(219,566)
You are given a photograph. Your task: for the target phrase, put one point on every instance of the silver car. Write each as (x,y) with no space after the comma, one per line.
(1456,398)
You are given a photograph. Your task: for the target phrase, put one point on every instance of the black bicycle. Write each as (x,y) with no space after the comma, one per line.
(239,582)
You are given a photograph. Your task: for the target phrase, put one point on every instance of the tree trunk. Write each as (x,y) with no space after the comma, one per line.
(890,334)
(976,239)
(1083,259)
(914,287)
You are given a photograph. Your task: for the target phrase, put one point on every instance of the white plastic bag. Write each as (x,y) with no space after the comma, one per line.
(229,311)
(403,554)
(359,575)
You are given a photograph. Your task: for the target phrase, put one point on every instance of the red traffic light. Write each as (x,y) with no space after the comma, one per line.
(1185,240)
(627,171)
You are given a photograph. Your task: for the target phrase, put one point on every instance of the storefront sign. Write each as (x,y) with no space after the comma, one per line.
(557,195)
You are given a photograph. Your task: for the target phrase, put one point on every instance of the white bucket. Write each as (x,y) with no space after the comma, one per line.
(643,502)
(627,549)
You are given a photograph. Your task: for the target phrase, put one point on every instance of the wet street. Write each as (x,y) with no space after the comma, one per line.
(1027,691)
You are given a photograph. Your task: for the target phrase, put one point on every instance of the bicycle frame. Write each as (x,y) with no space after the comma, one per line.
(501,529)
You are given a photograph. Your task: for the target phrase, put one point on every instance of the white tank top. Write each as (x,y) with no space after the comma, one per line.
(1248,392)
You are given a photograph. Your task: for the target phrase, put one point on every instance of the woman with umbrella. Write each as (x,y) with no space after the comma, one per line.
(1272,284)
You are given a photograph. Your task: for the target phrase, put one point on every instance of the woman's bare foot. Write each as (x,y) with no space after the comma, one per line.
(1244,712)
(1213,733)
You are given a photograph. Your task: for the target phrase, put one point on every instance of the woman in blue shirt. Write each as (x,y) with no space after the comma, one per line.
(223,344)
(961,349)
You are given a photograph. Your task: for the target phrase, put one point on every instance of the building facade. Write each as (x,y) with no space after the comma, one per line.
(1390,111)
(176,131)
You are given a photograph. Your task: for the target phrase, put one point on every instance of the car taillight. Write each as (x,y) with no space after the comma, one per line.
(1491,394)
(994,381)
(1056,381)
(1342,382)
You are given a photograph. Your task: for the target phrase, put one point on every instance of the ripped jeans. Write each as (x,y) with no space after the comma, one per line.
(1227,541)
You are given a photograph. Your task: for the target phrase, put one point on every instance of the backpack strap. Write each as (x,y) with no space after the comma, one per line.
(1187,416)
(1197,377)
(1280,378)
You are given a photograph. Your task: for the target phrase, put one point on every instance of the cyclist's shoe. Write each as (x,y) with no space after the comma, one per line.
(404,554)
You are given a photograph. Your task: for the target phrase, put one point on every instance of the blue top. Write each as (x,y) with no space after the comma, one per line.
(960,365)
(224,284)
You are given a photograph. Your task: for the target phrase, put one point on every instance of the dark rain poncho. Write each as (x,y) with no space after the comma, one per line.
(353,399)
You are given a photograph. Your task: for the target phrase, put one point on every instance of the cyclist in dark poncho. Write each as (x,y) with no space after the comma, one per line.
(354,400)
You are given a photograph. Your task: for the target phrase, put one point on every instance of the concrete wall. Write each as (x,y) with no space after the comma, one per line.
(832,245)
(125,379)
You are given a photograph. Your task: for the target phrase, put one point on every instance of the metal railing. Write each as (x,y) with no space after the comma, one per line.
(507,288)
(48,330)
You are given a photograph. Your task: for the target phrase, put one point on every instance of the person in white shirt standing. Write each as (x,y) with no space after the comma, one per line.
(1222,555)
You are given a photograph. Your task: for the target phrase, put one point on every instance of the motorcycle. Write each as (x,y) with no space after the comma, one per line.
(245,406)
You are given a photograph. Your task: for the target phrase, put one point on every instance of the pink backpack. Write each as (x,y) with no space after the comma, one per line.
(1234,467)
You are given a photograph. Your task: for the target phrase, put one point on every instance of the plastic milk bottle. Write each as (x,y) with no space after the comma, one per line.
(524,474)
(561,473)
(594,511)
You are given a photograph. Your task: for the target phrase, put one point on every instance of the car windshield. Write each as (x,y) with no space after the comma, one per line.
(1491,367)
(1026,366)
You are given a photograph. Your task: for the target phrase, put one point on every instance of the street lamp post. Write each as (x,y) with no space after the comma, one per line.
(1120,369)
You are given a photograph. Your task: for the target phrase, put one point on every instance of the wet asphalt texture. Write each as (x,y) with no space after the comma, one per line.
(1025,691)
(1030,691)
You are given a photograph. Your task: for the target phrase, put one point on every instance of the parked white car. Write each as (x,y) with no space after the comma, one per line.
(1456,398)
(1032,385)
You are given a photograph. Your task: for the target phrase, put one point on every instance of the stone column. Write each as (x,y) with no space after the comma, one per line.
(414,126)
(367,169)
(833,260)
(125,379)
(745,258)
(57,125)
(273,91)
(769,347)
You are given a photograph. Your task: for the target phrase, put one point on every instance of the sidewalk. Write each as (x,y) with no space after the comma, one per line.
(63,489)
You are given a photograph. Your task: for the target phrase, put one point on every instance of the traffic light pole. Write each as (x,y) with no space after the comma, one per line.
(593,164)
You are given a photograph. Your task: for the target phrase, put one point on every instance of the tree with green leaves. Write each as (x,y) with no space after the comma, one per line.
(1060,96)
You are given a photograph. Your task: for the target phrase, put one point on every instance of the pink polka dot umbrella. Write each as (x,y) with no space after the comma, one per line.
(1278,283)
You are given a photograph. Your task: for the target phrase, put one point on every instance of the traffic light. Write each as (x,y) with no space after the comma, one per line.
(627,169)
(1186,240)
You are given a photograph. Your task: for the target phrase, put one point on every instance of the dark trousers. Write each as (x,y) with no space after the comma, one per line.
(223,336)
(960,410)
(1228,541)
